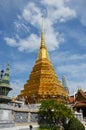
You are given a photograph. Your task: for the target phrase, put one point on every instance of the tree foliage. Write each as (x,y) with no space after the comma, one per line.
(52,113)
(74,124)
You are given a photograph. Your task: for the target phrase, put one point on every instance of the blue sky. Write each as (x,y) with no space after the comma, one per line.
(65,36)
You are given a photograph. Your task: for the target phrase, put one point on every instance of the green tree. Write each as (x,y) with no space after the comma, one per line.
(74,124)
(52,113)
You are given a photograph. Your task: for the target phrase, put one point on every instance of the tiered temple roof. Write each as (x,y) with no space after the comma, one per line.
(43,82)
(80,96)
(5,85)
(80,101)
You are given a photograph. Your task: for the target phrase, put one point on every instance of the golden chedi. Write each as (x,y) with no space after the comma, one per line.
(43,82)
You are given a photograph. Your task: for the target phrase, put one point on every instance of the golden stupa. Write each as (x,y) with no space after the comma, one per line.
(43,82)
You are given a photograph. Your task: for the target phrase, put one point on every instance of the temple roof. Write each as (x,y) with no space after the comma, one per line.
(81,104)
(4,81)
(5,86)
(80,96)
(71,99)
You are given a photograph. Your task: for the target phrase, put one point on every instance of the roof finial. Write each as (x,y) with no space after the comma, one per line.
(42,33)
(8,65)
(42,23)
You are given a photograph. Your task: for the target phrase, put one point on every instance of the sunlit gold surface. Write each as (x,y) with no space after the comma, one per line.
(43,82)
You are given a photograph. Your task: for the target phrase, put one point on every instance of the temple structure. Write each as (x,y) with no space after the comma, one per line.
(6,119)
(4,85)
(43,82)
(80,101)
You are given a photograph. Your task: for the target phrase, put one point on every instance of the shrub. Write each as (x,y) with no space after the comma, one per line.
(74,124)
(47,127)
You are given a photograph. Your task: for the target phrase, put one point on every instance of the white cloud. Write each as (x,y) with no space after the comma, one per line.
(19,74)
(73,66)
(21,27)
(16,85)
(10,41)
(57,11)
(75,75)
(32,14)
(67,57)
(80,7)
(53,39)
(73,70)
(29,44)
(20,67)
(77,57)
(74,86)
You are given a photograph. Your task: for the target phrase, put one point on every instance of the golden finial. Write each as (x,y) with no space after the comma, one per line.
(42,33)
(42,23)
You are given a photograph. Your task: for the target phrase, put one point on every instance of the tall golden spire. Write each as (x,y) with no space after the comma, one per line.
(43,83)
(43,53)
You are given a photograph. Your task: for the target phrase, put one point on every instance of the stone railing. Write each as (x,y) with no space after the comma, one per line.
(22,107)
(16,108)
(6,106)
(3,96)
(32,107)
